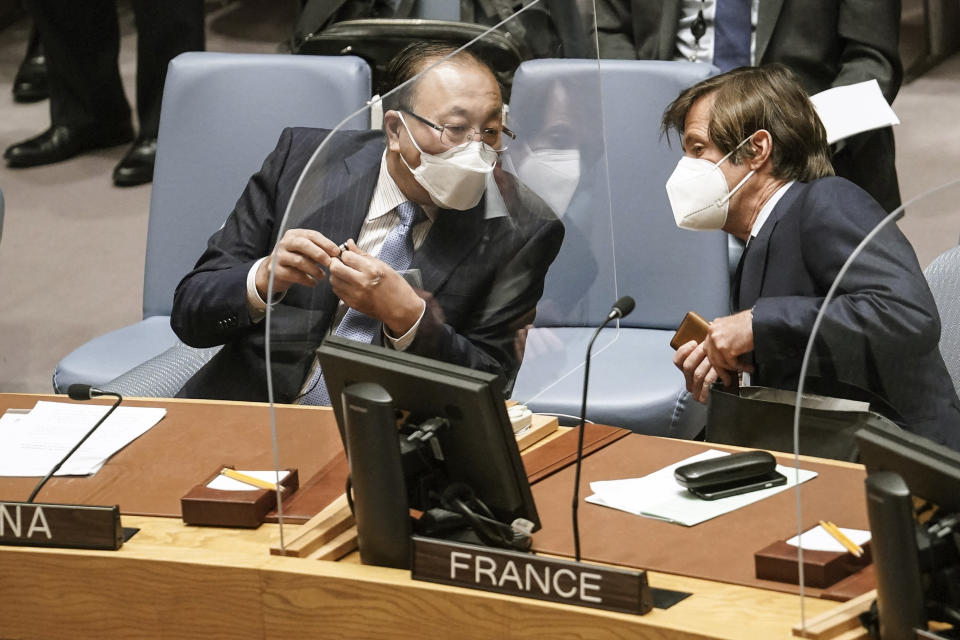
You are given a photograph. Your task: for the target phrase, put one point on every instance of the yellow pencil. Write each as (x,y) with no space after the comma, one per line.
(838,535)
(256,482)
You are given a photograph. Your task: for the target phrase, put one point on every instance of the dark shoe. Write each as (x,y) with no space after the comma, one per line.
(30,83)
(137,166)
(61,142)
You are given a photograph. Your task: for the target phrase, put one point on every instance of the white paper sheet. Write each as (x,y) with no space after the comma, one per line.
(817,539)
(225,483)
(35,442)
(853,109)
(658,495)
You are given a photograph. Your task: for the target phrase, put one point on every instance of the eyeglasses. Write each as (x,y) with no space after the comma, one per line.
(453,135)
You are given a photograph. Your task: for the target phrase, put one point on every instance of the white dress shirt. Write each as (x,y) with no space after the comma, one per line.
(767,209)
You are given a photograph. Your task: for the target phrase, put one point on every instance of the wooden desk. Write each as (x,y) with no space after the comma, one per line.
(172,581)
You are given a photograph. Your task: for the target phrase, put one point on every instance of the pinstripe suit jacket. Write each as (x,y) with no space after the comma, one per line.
(482,277)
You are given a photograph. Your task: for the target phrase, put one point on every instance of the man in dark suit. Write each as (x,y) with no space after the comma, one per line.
(88,107)
(481,251)
(827,43)
(763,175)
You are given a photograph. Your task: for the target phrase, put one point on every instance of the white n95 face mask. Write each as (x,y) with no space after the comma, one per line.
(456,178)
(553,174)
(698,192)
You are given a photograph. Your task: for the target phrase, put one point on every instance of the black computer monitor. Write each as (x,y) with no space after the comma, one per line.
(479,447)
(917,564)
(931,470)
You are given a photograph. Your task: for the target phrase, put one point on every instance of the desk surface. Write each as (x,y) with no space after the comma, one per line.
(174,581)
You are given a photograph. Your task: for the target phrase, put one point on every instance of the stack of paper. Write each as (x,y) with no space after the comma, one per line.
(658,495)
(32,443)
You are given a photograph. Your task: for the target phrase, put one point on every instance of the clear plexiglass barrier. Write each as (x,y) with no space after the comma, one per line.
(489,220)
(537,203)
(874,353)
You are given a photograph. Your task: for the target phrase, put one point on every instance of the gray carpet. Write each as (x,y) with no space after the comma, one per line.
(71,258)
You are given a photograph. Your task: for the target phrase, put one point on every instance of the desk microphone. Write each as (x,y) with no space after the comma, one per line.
(621,309)
(79,392)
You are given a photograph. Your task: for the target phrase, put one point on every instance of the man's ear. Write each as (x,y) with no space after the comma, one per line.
(762,143)
(392,126)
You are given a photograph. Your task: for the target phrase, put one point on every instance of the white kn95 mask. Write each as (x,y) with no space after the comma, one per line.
(698,192)
(456,178)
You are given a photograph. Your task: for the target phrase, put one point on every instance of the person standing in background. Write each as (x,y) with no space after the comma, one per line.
(826,43)
(88,108)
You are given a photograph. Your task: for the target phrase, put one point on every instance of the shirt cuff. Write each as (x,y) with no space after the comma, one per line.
(401,343)
(256,307)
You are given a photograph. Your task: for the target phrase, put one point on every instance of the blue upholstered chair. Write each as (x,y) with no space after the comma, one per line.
(436,10)
(221,115)
(624,243)
(943,275)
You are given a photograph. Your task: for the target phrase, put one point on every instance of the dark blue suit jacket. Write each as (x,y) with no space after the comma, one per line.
(879,340)
(482,276)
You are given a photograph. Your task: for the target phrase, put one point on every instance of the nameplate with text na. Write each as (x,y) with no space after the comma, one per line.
(60,525)
(529,576)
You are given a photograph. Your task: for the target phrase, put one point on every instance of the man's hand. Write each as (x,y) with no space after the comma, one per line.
(691,358)
(371,286)
(302,254)
(728,338)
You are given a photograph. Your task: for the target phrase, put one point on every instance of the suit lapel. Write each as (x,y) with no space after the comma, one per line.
(768,12)
(735,285)
(339,200)
(752,267)
(753,264)
(452,237)
(655,28)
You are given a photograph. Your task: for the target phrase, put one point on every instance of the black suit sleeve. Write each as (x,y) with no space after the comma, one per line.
(869,32)
(883,307)
(209,305)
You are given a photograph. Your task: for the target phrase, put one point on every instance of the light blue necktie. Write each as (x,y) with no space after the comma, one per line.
(732,26)
(397,251)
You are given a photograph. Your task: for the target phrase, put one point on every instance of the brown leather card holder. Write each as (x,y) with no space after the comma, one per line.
(693,327)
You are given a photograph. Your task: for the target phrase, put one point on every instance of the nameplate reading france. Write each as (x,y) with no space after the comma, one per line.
(60,525)
(529,576)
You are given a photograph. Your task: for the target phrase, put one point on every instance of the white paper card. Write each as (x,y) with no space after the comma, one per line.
(817,539)
(853,109)
(658,495)
(34,443)
(225,483)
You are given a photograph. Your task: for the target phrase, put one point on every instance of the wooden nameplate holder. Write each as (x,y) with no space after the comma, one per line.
(245,509)
(329,535)
(821,569)
(71,526)
(527,575)
(540,427)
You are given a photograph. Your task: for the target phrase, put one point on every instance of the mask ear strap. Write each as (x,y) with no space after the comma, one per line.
(742,142)
(412,139)
(737,188)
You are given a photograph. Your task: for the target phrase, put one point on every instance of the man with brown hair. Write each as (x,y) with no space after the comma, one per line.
(756,164)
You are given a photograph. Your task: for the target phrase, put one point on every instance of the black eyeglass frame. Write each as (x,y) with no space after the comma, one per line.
(505,131)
